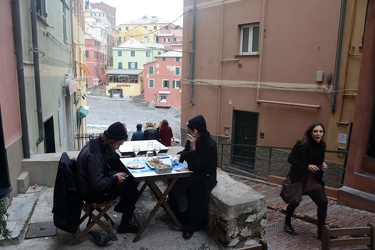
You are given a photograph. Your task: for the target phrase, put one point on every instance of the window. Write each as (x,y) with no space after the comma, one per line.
(159,53)
(147,53)
(119,28)
(41,8)
(119,53)
(178,59)
(87,54)
(166,27)
(165,84)
(132,53)
(174,39)
(119,39)
(164,59)
(151,69)
(132,65)
(177,71)
(120,65)
(126,28)
(167,39)
(163,98)
(155,27)
(176,84)
(249,43)
(151,83)
(145,27)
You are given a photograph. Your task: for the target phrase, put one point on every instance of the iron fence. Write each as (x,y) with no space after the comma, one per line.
(270,160)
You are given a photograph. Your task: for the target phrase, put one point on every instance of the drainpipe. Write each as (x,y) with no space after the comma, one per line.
(338,57)
(193,54)
(17,38)
(36,73)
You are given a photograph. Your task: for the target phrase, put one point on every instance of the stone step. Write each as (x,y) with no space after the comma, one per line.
(19,213)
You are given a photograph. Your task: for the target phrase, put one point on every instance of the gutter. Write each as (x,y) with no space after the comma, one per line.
(37,73)
(193,54)
(338,57)
(17,39)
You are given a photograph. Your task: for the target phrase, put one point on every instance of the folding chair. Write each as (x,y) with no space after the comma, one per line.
(262,245)
(363,237)
(101,209)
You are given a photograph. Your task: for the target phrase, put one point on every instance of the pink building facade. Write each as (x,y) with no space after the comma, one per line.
(162,80)
(95,61)
(171,38)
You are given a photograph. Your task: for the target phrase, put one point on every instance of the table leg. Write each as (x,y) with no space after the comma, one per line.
(161,200)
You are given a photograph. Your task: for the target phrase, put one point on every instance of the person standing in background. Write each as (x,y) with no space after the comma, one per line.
(138,135)
(165,134)
(150,132)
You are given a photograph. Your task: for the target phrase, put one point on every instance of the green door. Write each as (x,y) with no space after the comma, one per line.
(245,133)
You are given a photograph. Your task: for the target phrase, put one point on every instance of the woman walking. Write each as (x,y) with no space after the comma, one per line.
(307,160)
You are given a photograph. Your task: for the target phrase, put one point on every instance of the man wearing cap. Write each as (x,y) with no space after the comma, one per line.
(189,196)
(98,182)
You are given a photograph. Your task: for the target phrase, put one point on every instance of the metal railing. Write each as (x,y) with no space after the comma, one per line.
(268,160)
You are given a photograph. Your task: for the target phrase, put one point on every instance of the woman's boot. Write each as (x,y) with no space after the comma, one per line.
(187,233)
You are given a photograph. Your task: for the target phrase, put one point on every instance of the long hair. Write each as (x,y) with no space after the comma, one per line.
(307,135)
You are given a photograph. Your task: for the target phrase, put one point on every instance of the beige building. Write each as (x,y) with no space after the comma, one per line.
(143,29)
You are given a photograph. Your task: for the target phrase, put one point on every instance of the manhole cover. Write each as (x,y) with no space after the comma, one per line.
(41,229)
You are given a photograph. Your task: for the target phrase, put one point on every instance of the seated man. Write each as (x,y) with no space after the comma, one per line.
(189,197)
(97,180)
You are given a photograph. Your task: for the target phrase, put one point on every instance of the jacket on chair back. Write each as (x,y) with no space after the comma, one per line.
(67,199)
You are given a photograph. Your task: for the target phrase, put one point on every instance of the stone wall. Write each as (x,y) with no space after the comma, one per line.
(237,213)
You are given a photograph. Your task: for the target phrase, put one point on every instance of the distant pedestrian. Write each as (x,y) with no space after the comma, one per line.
(150,132)
(165,134)
(138,135)
(308,166)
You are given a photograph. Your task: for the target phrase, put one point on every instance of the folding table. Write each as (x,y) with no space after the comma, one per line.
(150,177)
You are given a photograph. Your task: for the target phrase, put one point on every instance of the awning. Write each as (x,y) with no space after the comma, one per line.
(84,67)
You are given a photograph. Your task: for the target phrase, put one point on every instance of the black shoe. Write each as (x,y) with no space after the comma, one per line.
(127,228)
(289,229)
(187,234)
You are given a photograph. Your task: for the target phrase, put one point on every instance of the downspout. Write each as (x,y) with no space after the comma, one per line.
(36,73)
(193,54)
(338,57)
(17,38)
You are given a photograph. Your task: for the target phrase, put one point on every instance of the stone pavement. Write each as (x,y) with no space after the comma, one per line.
(162,234)
(304,218)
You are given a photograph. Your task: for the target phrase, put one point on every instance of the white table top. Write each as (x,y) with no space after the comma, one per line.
(149,174)
(127,147)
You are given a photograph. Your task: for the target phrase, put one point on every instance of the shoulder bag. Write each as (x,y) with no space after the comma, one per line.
(291,193)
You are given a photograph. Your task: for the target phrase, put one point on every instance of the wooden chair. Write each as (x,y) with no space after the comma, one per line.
(95,211)
(344,237)
(262,245)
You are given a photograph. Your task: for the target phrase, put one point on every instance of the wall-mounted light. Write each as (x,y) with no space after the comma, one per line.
(226,130)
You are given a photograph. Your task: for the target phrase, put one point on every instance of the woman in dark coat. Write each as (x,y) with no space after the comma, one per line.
(307,160)
(190,196)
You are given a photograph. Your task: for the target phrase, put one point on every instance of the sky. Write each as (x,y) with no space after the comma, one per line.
(127,10)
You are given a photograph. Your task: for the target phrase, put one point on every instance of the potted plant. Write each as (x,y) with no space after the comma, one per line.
(3,220)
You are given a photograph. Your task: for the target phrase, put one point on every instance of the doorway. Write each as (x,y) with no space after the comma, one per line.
(50,136)
(245,131)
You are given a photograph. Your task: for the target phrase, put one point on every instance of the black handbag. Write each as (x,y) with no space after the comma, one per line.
(291,193)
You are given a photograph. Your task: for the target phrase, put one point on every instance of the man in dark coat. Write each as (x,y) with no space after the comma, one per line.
(190,196)
(138,135)
(98,182)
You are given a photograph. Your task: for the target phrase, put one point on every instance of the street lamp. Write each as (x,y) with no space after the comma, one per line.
(95,81)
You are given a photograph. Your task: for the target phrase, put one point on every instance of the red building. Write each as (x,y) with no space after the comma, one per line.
(95,61)
(162,80)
